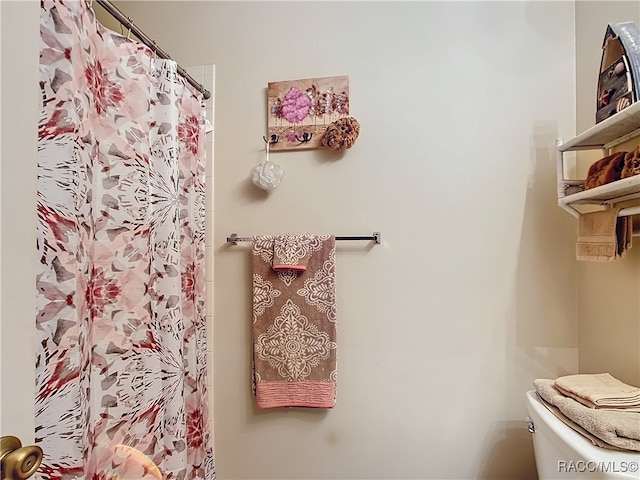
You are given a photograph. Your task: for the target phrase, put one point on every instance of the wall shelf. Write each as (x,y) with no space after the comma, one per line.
(614,192)
(617,129)
(613,131)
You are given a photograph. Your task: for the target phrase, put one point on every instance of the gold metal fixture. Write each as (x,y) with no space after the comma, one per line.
(18,462)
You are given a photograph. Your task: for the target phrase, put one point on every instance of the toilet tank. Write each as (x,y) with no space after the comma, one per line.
(563,453)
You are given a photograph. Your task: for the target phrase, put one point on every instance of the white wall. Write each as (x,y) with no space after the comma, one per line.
(471,296)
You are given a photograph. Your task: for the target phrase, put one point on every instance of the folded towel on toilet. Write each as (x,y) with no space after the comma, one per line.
(616,428)
(546,391)
(294,324)
(599,390)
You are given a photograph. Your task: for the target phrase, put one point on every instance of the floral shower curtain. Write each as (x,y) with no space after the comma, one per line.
(120,331)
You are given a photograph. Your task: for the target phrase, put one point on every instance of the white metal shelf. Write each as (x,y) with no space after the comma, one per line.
(614,192)
(615,130)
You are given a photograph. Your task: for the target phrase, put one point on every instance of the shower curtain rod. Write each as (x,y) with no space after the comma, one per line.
(127,22)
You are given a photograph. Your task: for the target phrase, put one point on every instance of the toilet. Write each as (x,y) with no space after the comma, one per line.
(563,453)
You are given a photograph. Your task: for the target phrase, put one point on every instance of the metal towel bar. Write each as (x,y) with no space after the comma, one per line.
(233,239)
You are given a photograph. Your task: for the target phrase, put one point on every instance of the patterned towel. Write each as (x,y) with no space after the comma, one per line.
(291,251)
(294,325)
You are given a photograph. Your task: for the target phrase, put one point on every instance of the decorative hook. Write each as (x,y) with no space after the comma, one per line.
(306,137)
(273,139)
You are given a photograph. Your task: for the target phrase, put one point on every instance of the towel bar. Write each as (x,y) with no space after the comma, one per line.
(233,239)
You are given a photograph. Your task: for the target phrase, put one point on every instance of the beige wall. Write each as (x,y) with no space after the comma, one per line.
(608,294)
(472,294)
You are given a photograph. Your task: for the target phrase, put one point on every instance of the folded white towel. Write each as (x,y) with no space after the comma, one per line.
(618,428)
(600,390)
(546,391)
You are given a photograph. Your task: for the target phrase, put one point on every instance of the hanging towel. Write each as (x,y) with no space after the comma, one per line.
(624,231)
(600,390)
(618,428)
(294,326)
(603,236)
(291,251)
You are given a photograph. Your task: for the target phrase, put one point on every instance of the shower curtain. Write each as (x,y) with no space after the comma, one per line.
(120,332)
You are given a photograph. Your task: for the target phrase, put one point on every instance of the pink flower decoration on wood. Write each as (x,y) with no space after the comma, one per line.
(295,106)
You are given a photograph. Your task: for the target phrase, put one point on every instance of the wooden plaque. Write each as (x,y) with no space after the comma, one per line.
(300,110)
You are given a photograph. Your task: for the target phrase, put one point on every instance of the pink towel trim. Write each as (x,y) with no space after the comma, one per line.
(287,268)
(295,394)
